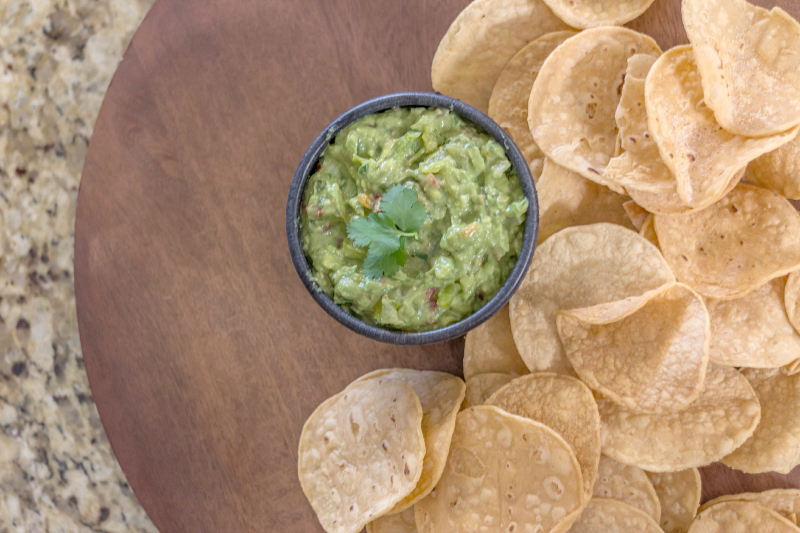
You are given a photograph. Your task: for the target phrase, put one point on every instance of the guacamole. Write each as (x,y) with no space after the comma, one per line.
(473,226)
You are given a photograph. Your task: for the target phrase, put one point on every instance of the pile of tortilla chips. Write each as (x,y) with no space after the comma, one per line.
(658,328)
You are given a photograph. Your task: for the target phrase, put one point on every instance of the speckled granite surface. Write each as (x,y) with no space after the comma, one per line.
(57,471)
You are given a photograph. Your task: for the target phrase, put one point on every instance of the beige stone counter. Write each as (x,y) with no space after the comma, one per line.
(57,471)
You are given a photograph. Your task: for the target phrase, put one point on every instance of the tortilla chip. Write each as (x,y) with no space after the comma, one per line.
(481,41)
(792,368)
(361,452)
(508,105)
(660,203)
(749,59)
(779,170)
(585,14)
(702,156)
(480,387)
(572,119)
(671,204)
(785,502)
(791,299)
(679,494)
(753,331)
(441,395)
(639,166)
(394,523)
(736,516)
(563,404)
(579,267)
(648,230)
(567,199)
(711,427)
(636,213)
(733,247)
(775,445)
(503,471)
(490,348)
(650,356)
(613,516)
(628,484)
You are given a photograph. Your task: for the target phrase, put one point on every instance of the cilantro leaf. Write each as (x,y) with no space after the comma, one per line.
(403,207)
(400,255)
(377,231)
(384,234)
(376,266)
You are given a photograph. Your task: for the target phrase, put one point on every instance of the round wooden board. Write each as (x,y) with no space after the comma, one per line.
(204,352)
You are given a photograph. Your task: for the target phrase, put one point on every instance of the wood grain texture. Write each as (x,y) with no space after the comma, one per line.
(204,352)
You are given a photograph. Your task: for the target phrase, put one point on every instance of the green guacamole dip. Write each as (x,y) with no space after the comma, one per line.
(471,237)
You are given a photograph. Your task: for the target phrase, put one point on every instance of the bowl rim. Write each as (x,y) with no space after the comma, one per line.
(308,163)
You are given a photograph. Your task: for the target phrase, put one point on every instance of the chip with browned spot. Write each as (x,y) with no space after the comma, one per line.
(576,94)
(361,452)
(701,155)
(506,471)
(735,246)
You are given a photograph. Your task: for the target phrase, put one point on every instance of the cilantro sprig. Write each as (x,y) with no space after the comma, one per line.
(385,233)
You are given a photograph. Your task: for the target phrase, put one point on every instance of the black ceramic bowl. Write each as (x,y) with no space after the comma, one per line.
(309,163)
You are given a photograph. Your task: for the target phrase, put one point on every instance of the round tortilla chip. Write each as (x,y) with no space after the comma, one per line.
(785,502)
(650,356)
(567,199)
(490,348)
(749,59)
(719,421)
(639,166)
(775,445)
(636,213)
(648,230)
(779,170)
(613,516)
(361,452)
(403,522)
(481,41)
(504,471)
(791,299)
(679,494)
(753,331)
(628,484)
(480,387)
(440,395)
(508,105)
(733,247)
(740,516)
(671,204)
(563,404)
(579,267)
(574,98)
(585,14)
(702,156)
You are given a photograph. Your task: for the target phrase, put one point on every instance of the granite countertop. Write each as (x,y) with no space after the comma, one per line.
(57,471)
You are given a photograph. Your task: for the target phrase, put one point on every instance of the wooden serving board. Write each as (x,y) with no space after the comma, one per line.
(204,352)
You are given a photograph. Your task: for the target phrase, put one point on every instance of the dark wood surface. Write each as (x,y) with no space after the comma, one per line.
(204,352)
